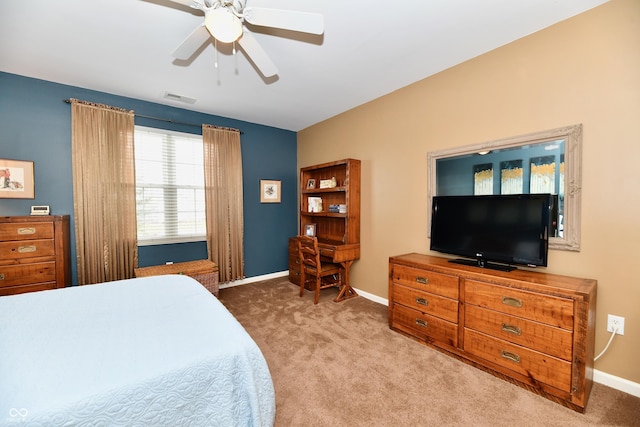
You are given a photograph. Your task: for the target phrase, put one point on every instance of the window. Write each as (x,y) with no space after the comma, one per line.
(169,186)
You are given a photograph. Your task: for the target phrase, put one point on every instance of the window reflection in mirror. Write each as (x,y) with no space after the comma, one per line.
(542,162)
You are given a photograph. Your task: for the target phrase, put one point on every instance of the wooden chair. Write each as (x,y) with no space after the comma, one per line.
(321,274)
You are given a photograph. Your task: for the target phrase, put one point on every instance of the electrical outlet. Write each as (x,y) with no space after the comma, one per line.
(615,321)
(169,262)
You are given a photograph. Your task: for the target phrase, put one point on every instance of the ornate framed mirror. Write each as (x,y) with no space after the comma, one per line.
(541,162)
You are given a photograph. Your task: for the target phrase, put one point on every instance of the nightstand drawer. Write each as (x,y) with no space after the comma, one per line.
(426,302)
(424,326)
(536,336)
(21,249)
(436,283)
(533,306)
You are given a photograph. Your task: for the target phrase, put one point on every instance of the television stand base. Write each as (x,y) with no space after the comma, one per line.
(483,264)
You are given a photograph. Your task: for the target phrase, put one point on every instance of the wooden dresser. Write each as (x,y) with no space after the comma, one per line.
(34,253)
(533,329)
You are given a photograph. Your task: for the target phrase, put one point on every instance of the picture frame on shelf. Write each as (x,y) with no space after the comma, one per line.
(311,184)
(310,230)
(16,179)
(314,204)
(270,191)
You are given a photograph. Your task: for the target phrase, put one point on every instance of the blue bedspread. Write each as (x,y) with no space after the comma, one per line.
(151,351)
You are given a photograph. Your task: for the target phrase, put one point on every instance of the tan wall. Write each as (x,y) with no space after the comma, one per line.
(583,70)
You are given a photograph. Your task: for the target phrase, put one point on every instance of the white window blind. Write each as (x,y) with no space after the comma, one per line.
(169,186)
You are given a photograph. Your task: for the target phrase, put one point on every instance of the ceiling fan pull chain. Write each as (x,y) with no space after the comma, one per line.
(215,48)
(235,57)
(215,64)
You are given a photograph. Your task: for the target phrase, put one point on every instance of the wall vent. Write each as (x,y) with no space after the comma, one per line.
(179,98)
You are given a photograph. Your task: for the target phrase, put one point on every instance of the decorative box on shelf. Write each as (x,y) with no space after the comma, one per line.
(204,271)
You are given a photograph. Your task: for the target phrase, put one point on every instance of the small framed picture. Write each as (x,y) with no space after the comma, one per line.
(311,184)
(16,179)
(310,230)
(269,191)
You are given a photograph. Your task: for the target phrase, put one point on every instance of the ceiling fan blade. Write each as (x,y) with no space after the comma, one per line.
(257,55)
(305,22)
(191,43)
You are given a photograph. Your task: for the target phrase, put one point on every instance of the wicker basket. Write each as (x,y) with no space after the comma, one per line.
(204,271)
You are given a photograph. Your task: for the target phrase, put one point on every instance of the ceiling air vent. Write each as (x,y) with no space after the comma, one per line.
(179,98)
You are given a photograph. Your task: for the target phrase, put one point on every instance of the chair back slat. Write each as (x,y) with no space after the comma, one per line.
(313,271)
(309,252)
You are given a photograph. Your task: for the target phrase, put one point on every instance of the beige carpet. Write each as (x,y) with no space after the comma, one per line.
(339,364)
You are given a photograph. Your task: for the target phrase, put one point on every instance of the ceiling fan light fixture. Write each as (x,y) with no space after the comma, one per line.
(223,25)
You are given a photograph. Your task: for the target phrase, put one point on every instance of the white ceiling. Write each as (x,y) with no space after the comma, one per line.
(369,48)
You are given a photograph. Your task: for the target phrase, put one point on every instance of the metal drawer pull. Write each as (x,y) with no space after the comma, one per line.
(511,329)
(422,280)
(510,356)
(513,302)
(26,249)
(421,322)
(27,230)
(1,276)
(422,301)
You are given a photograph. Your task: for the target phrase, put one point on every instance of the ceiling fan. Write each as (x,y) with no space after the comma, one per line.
(224,19)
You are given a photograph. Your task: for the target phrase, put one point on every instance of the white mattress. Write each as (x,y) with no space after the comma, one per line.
(150,351)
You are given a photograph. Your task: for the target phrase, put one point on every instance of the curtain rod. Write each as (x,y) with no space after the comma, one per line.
(68,101)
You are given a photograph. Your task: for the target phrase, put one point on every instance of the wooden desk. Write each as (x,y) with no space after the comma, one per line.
(343,254)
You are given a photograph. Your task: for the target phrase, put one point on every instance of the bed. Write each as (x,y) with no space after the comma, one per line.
(149,351)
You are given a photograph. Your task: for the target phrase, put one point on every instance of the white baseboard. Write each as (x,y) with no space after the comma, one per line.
(618,383)
(254,279)
(600,377)
(372,297)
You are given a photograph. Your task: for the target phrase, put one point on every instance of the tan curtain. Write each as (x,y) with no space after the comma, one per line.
(104,192)
(223,198)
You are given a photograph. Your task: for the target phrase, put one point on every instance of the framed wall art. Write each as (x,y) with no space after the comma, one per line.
(310,230)
(269,191)
(16,179)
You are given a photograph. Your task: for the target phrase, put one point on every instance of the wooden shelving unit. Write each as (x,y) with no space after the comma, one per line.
(332,227)
(338,233)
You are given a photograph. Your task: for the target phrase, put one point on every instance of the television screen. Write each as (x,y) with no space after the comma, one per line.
(508,229)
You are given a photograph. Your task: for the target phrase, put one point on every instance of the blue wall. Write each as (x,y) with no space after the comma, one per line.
(454,176)
(35,125)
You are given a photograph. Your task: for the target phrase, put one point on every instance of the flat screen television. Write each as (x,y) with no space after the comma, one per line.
(497,231)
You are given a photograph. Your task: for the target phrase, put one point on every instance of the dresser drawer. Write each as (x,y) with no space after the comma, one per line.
(26,230)
(424,326)
(536,336)
(426,302)
(436,283)
(294,261)
(537,366)
(547,309)
(27,288)
(21,274)
(20,249)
